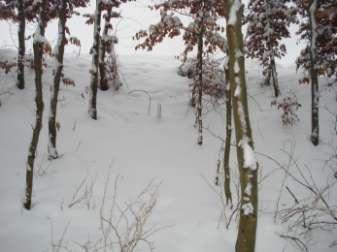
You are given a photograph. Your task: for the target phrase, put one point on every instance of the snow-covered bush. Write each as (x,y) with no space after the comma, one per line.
(289,107)
(214,83)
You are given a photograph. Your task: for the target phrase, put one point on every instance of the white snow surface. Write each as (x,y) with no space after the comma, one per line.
(138,147)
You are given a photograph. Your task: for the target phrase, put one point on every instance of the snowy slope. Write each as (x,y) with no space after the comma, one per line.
(133,143)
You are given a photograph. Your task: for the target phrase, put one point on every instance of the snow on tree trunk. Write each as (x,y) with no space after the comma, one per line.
(313,75)
(38,55)
(112,65)
(95,63)
(21,45)
(58,55)
(103,46)
(247,163)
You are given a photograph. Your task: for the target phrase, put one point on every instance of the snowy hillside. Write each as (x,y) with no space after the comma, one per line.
(134,142)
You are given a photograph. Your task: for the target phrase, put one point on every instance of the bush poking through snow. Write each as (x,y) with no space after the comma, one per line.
(312,208)
(125,227)
(289,107)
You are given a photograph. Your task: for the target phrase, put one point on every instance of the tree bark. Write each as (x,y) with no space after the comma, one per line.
(38,54)
(275,78)
(244,142)
(227,149)
(58,54)
(272,73)
(199,87)
(95,63)
(103,48)
(21,45)
(313,76)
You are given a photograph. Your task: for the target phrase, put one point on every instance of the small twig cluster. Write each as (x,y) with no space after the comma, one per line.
(289,107)
(125,227)
(310,211)
(83,194)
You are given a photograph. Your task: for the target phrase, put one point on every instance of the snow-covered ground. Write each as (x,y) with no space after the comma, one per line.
(130,141)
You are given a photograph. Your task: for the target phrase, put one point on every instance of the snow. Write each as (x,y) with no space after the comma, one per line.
(139,146)
(37,37)
(247,208)
(233,12)
(248,154)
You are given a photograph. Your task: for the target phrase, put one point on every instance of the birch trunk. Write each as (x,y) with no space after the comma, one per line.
(58,55)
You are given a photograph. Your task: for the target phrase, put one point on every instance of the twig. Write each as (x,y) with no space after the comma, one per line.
(302,246)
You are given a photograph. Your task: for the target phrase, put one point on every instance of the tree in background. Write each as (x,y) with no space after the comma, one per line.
(22,47)
(202,34)
(108,70)
(247,163)
(94,71)
(318,28)
(268,23)
(309,59)
(326,18)
(65,9)
(101,46)
(19,11)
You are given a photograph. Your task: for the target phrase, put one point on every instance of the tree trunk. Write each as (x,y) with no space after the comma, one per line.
(244,142)
(314,76)
(58,54)
(275,78)
(103,48)
(272,73)
(95,63)
(227,149)
(199,87)
(21,45)
(38,54)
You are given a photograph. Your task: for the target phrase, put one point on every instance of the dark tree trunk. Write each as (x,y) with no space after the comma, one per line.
(104,44)
(244,142)
(313,76)
(21,45)
(274,78)
(271,71)
(52,150)
(95,63)
(227,149)
(38,54)
(199,87)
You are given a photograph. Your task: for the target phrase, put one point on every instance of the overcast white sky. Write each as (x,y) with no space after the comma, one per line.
(136,16)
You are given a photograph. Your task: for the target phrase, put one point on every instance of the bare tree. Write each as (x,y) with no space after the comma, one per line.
(65,10)
(228,139)
(58,54)
(21,48)
(38,45)
(247,163)
(94,71)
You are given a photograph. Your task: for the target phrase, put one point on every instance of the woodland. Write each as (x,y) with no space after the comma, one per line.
(217,146)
